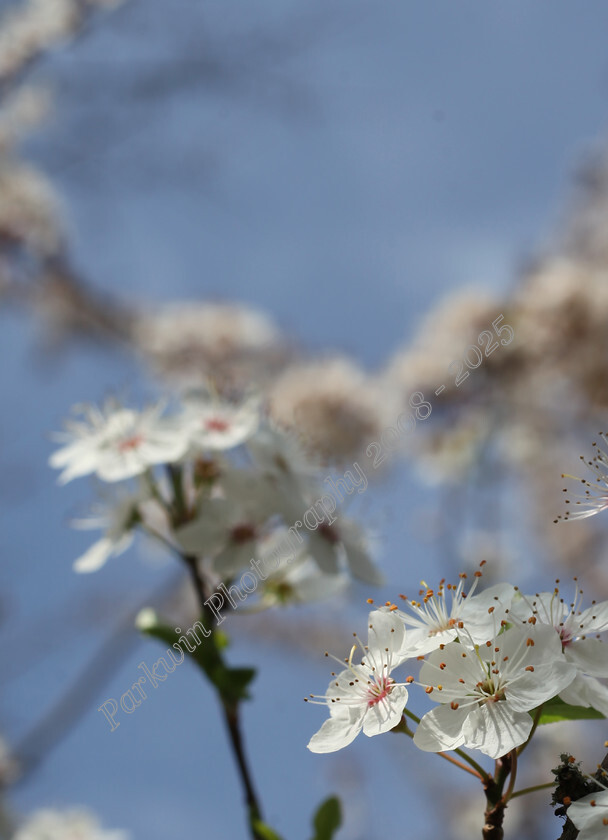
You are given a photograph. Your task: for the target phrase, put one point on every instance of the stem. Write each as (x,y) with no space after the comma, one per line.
(230,708)
(233,724)
(181,514)
(459,764)
(496,803)
(411,715)
(532,789)
(509,791)
(480,771)
(403,727)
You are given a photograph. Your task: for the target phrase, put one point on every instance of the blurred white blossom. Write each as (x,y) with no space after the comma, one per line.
(67,825)
(332,403)
(116,443)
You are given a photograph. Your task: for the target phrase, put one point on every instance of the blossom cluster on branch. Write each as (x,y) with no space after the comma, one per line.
(218,481)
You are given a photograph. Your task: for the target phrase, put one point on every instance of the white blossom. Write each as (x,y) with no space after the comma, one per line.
(578,632)
(441,614)
(280,456)
(229,528)
(210,424)
(117,443)
(297,579)
(343,544)
(364,696)
(118,522)
(486,692)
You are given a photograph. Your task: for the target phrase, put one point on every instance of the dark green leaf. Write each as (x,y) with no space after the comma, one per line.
(327,819)
(232,683)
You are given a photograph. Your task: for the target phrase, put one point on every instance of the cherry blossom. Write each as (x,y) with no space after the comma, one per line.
(116,443)
(210,424)
(578,632)
(364,696)
(441,614)
(485,693)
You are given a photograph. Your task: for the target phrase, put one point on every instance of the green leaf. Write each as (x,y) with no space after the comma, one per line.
(263,831)
(231,683)
(555,710)
(327,819)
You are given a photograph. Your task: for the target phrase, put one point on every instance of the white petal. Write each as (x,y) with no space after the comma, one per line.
(495,729)
(324,554)
(96,556)
(386,714)
(234,557)
(589,818)
(441,729)
(536,687)
(357,554)
(385,633)
(595,618)
(362,566)
(590,656)
(420,642)
(458,662)
(587,691)
(481,624)
(209,532)
(336,733)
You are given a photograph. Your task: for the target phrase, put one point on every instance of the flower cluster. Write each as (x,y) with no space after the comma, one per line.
(192,342)
(490,661)
(216,481)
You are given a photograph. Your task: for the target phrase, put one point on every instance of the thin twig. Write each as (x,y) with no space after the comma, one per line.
(230,710)
(459,764)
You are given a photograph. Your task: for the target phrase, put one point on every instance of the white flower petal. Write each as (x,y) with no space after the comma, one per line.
(441,729)
(535,687)
(590,656)
(588,818)
(587,692)
(595,618)
(95,557)
(495,729)
(386,714)
(336,733)
(386,631)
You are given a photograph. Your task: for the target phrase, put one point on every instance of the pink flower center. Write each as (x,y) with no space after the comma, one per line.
(565,636)
(379,691)
(242,533)
(216,424)
(127,444)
